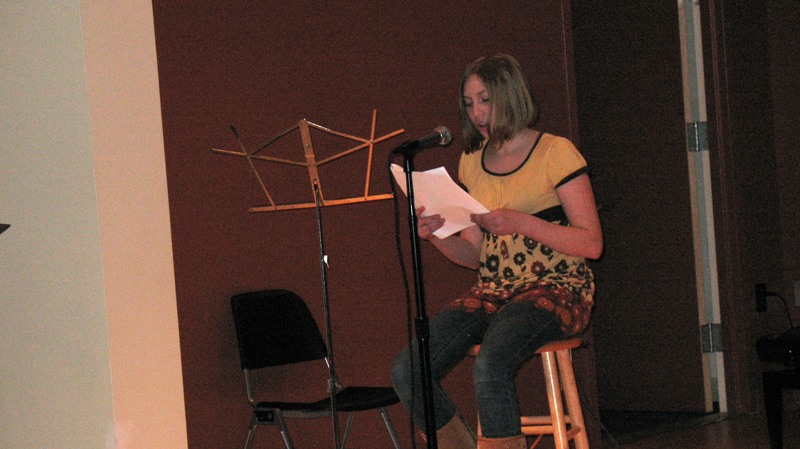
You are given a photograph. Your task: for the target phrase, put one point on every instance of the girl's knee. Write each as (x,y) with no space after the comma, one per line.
(401,372)
(486,369)
(481,370)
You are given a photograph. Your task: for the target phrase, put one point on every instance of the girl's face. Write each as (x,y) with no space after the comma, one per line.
(478,104)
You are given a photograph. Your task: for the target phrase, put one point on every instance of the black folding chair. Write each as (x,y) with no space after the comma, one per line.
(275,327)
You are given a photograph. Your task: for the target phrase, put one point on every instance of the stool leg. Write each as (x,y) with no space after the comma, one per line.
(574,409)
(554,399)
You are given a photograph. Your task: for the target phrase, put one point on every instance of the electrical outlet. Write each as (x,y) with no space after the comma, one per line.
(761,297)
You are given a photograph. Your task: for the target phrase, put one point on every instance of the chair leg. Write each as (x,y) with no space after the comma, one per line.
(287,440)
(773,399)
(554,400)
(386,420)
(573,399)
(390,428)
(251,433)
(347,430)
(278,417)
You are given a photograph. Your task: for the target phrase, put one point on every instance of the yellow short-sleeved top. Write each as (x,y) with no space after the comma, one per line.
(512,264)
(530,188)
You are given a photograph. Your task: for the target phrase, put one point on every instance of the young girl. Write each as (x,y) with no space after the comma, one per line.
(533,283)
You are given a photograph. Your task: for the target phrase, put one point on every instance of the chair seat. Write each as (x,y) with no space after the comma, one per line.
(350,399)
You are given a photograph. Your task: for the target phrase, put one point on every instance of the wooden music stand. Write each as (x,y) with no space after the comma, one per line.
(319,202)
(312,164)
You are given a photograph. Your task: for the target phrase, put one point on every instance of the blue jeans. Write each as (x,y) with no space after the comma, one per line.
(508,338)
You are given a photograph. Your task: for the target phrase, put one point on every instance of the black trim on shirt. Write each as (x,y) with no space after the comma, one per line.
(572,176)
(530,152)
(551,214)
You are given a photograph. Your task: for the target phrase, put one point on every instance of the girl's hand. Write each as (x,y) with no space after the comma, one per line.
(499,221)
(426,226)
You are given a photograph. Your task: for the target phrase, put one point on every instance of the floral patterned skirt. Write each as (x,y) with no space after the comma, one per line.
(570,302)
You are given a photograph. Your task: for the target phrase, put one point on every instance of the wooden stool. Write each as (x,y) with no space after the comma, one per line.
(558,374)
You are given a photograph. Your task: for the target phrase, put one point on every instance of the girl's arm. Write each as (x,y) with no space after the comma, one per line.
(582,238)
(462,249)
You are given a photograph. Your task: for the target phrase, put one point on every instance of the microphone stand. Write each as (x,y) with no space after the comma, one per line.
(422,325)
(333,381)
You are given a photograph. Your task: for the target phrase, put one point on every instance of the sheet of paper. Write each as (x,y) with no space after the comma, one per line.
(437,191)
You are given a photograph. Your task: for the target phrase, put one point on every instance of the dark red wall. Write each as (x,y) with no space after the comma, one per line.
(264,66)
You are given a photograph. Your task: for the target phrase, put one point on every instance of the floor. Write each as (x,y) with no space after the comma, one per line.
(623,427)
(715,431)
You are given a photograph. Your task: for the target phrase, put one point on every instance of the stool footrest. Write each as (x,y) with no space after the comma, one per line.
(541,420)
(549,430)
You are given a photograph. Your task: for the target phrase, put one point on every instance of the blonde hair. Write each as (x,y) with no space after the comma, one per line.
(510,95)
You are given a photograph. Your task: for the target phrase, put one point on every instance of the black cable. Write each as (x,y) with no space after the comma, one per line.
(785,307)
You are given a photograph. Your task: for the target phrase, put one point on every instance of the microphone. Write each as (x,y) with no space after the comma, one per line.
(440,136)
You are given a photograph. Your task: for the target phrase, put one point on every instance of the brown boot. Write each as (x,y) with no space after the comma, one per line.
(456,434)
(517,442)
